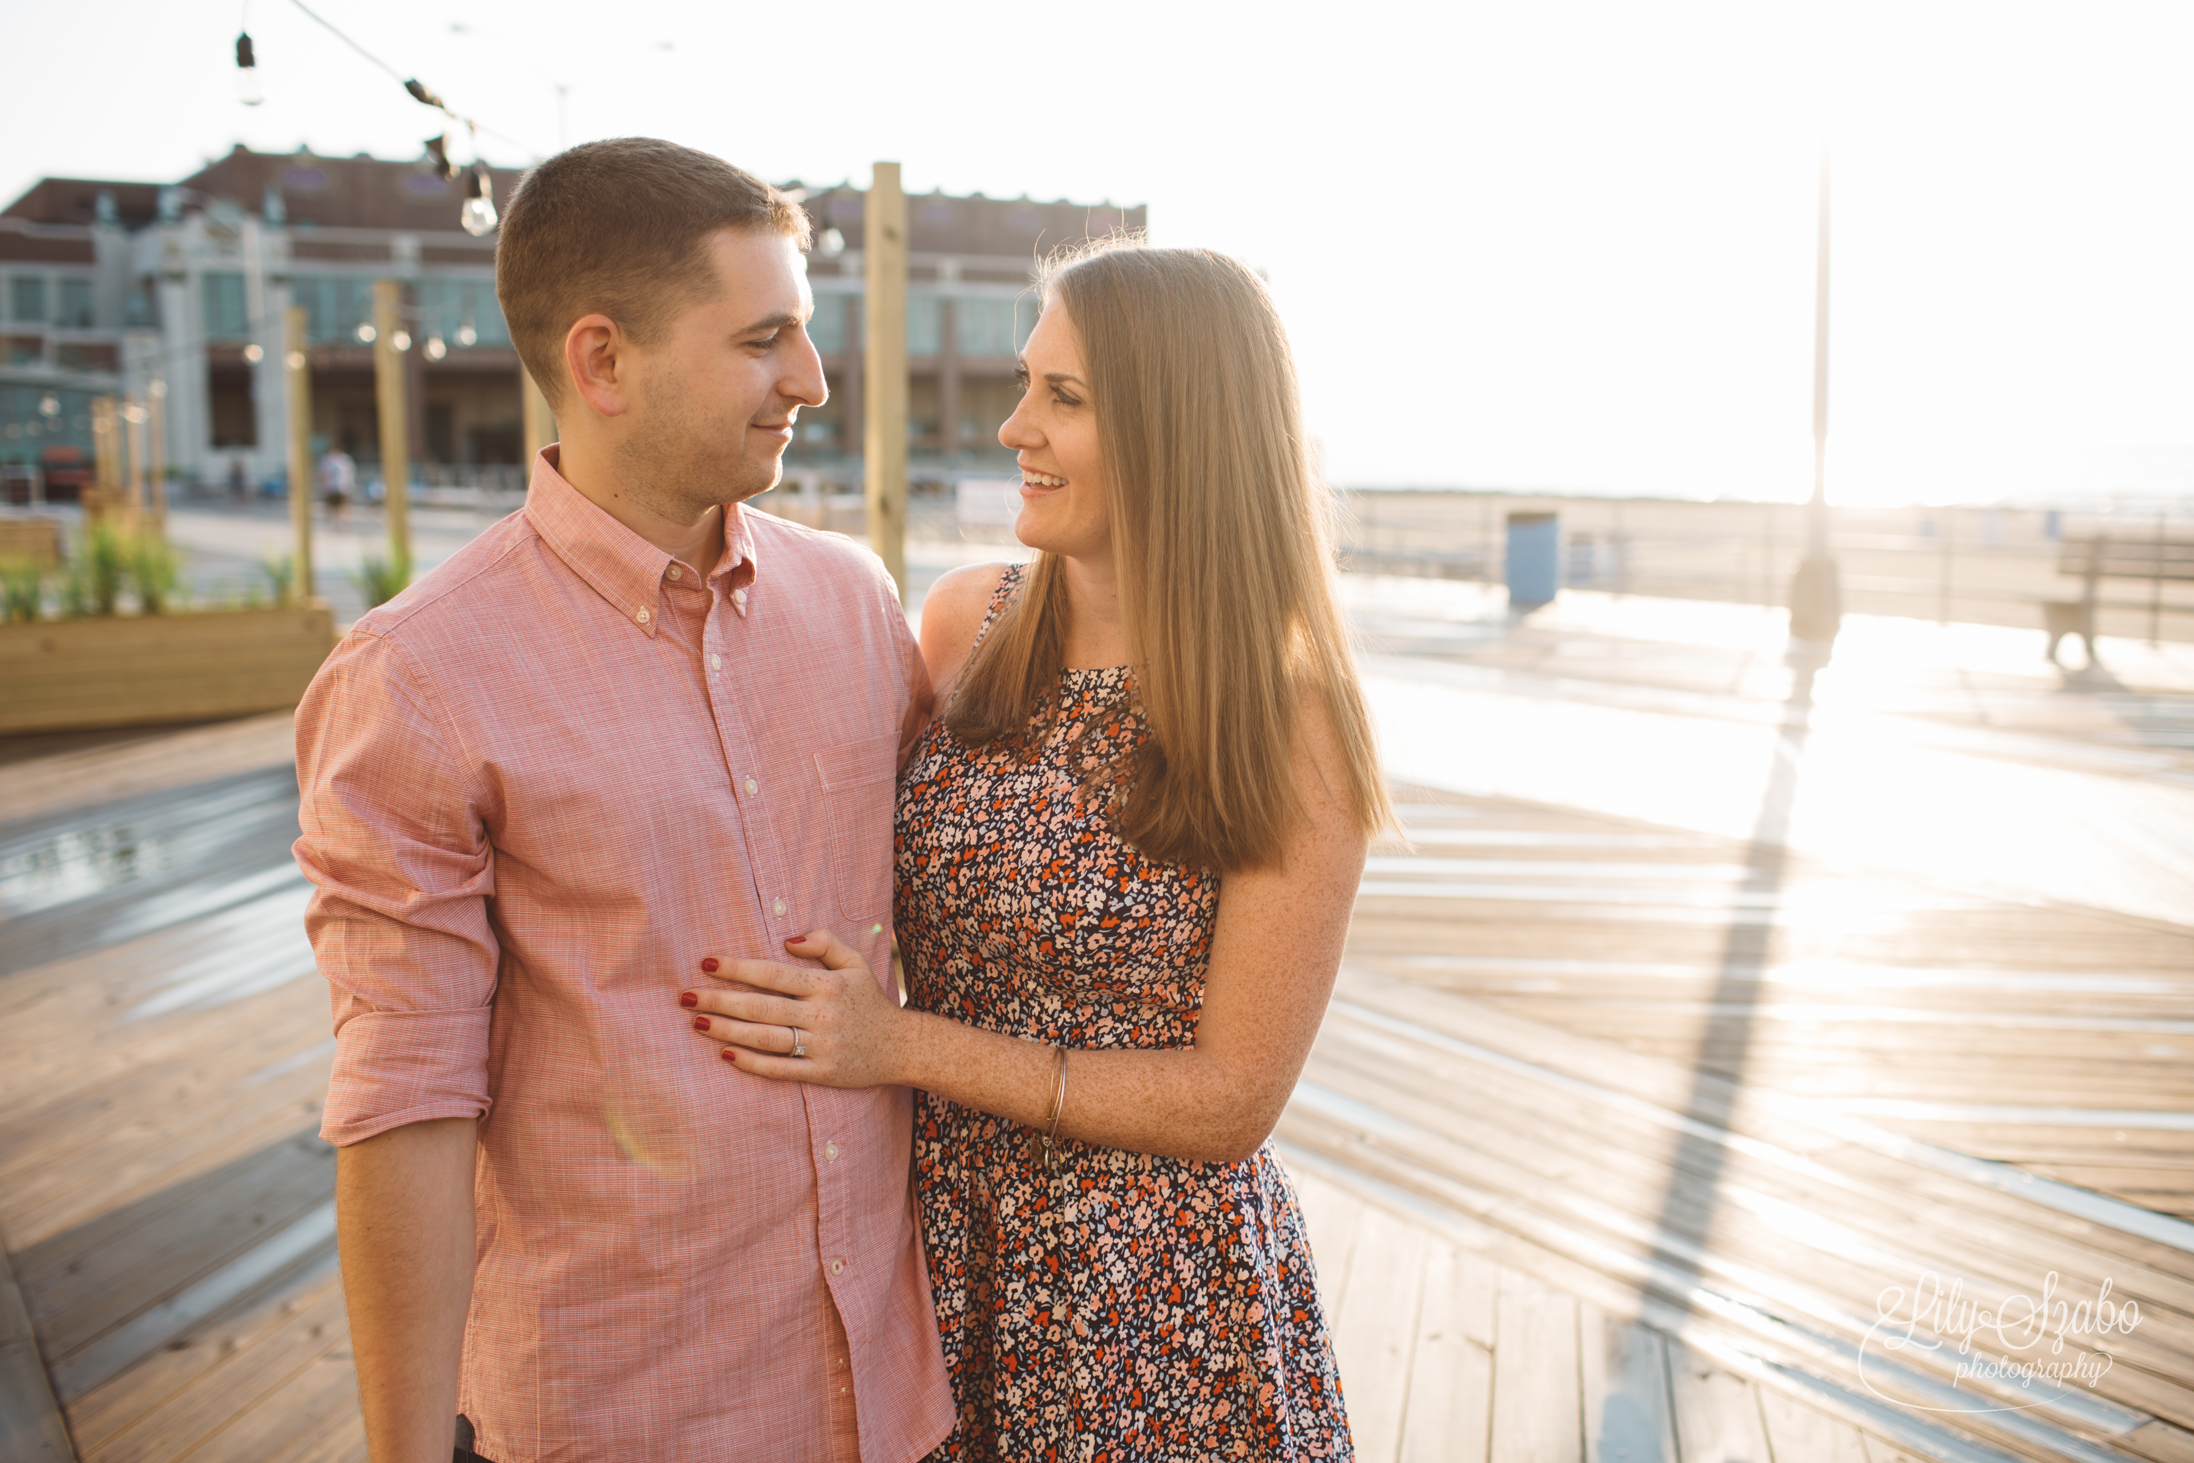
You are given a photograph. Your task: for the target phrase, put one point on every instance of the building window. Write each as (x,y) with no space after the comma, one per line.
(925,333)
(27,298)
(335,306)
(461,313)
(77,312)
(23,350)
(226,316)
(828,327)
(985,327)
(141,307)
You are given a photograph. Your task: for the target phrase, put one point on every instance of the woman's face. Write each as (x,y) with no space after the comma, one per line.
(1065,498)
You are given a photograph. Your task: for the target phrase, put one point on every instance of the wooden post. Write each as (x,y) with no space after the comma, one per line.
(540,420)
(884,384)
(133,430)
(298,387)
(106,453)
(389,345)
(156,400)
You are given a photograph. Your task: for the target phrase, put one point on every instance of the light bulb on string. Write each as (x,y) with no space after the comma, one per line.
(401,340)
(248,90)
(436,349)
(49,406)
(831,244)
(254,353)
(478,215)
(466,335)
(365,333)
(438,154)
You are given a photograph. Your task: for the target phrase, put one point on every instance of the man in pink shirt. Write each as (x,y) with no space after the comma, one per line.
(632,727)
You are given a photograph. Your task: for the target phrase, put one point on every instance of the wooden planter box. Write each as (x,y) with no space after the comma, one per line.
(142,670)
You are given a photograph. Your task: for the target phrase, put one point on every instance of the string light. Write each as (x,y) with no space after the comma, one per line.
(438,152)
(478,215)
(248,90)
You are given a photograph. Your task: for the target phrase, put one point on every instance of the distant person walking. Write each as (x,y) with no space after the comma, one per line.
(338,480)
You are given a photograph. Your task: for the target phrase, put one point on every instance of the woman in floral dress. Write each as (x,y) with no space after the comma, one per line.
(1126,853)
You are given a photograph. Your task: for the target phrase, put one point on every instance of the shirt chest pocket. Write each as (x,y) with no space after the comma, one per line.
(860,781)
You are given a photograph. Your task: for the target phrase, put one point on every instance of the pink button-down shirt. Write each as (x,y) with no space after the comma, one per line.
(537,789)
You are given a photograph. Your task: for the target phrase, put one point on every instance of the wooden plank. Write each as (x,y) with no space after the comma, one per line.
(1717,1412)
(1795,1430)
(175,1400)
(31,1426)
(344,1441)
(1331,1215)
(1376,1330)
(1624,1377)
(1451,1373)
(2148,1359)
(1537,1403)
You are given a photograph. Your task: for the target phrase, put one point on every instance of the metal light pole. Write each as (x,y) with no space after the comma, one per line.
(1816,593)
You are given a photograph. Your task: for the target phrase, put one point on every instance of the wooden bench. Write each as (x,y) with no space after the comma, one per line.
(2091,561)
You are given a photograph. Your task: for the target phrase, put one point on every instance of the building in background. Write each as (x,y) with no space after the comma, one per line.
(110,287)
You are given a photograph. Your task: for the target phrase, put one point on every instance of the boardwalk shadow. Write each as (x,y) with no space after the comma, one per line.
(1687,1209)
(144,1275)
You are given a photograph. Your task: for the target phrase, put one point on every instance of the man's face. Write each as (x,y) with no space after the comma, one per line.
(715,398)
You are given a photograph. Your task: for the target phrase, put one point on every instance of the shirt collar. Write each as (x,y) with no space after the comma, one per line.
(616,563)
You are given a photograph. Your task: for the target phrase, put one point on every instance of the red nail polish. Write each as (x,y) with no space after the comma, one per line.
(729,1056)
(689,1000)
(709,965)
(700,1023)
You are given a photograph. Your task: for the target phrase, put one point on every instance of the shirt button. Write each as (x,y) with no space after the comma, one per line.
(642,617)
(674,571)
(778,907)
(830,1151)
(752,788)
(836,1266)
(715,662)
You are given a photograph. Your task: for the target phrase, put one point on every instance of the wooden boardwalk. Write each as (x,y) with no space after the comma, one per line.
(1620,1135)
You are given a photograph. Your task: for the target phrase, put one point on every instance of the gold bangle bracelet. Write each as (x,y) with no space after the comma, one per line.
(1043,1142)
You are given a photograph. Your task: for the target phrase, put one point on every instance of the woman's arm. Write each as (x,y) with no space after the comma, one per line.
(1275,949)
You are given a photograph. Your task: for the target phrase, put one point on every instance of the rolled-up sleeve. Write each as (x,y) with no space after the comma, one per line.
(395,843)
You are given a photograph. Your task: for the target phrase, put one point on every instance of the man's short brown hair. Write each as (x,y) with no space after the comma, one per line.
(619,227)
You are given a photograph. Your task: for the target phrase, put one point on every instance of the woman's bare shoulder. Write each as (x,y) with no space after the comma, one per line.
(952,612)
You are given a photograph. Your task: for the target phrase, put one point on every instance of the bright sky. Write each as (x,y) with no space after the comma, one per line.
(1532,243)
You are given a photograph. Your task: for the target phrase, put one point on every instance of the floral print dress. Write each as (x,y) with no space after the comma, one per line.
(1125,1306)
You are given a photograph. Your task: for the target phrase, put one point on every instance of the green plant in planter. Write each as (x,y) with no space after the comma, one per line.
(75,587)
(280,574)
(22,588)
(381,580)
(157,571)
(104,564)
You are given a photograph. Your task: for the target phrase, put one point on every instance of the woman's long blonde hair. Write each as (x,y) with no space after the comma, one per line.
(1223,546)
